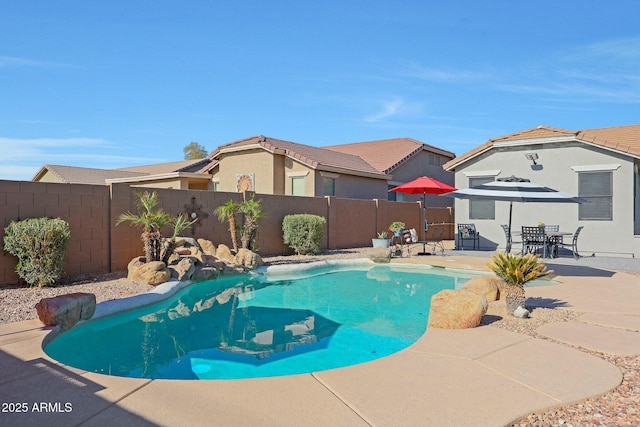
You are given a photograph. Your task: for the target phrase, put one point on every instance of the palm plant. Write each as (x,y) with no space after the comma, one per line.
(179,224)
(252,210)
(516,271)
(227,212)
(151,219)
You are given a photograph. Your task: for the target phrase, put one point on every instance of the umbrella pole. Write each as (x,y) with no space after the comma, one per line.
(510,214)
(424,216)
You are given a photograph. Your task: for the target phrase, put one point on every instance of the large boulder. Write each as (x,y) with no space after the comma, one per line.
(456,309)
(207,247)
(224,253)
(147,273)
(247,258)
(379,255)
(183,269)
(489,286)
(201,273)
(66,310)
(197,254)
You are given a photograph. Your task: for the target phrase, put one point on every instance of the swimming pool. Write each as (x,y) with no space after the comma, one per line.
(262,325)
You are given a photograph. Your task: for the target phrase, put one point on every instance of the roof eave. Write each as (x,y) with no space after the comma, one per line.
(158,177)
(610,148)
(345,171)
(451,165)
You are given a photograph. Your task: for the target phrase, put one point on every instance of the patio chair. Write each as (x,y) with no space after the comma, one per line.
(437,241)
(553,241)
(534,239)
(574,243)
(468,232)
(509,238)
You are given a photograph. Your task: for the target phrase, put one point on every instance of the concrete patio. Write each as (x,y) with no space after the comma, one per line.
(485,376)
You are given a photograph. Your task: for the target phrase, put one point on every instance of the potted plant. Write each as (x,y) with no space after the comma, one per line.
(397,227)
(382,241)
(516,271)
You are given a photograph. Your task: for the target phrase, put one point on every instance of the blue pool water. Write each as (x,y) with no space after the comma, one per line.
(262,325)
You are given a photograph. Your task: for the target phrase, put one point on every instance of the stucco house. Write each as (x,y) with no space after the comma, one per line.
(601,165)
(365,170)
(179,175)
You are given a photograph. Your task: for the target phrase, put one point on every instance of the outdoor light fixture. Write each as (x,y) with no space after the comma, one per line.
(532,156)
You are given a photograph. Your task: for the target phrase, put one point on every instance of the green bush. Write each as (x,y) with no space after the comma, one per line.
(303,232)
(40,245)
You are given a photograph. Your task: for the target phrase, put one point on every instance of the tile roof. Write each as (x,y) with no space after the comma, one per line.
(78,175)
(314,157)
(623,139)
(160,168)
(387,154)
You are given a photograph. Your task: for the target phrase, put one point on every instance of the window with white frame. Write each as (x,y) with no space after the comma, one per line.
(597,188)
(481,209)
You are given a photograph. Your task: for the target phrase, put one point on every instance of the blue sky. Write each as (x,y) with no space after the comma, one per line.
(121,83)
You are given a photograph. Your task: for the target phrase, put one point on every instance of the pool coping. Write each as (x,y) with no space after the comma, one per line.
(480,376)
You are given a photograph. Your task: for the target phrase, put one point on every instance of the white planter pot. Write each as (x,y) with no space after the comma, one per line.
(380,243)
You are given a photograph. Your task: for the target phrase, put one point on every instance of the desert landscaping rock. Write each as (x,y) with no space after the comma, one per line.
(66,310)
(379,255)
(224,253)
(489,286)
(248,259)
(207,246)
(183,269)
(148,273)
(456,309)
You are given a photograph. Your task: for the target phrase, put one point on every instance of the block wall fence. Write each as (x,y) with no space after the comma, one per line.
(97,245)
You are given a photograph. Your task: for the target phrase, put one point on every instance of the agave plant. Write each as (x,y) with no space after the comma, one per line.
(228,212)
(516,271)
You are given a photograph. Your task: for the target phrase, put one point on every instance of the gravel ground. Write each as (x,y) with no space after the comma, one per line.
(619,407)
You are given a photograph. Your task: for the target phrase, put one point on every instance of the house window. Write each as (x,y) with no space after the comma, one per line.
(597,189)
(434,160)
(297,186)
(328,187)
(481,209)
(216,185)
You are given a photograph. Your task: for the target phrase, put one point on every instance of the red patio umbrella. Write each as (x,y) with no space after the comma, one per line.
(424,185)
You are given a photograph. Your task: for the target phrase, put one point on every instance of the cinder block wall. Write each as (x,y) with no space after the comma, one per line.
(97,245)
(84,207)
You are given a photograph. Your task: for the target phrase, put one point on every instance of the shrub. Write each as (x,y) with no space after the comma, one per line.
(303,232)
(516,271)
(40,245)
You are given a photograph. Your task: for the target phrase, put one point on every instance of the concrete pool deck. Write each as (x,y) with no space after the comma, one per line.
(483,376)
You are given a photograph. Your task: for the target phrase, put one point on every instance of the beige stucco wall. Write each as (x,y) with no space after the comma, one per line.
(293,168)
(258,162)
(554,170)
(49,177)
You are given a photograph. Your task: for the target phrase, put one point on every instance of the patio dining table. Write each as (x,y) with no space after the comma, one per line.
(552,238)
